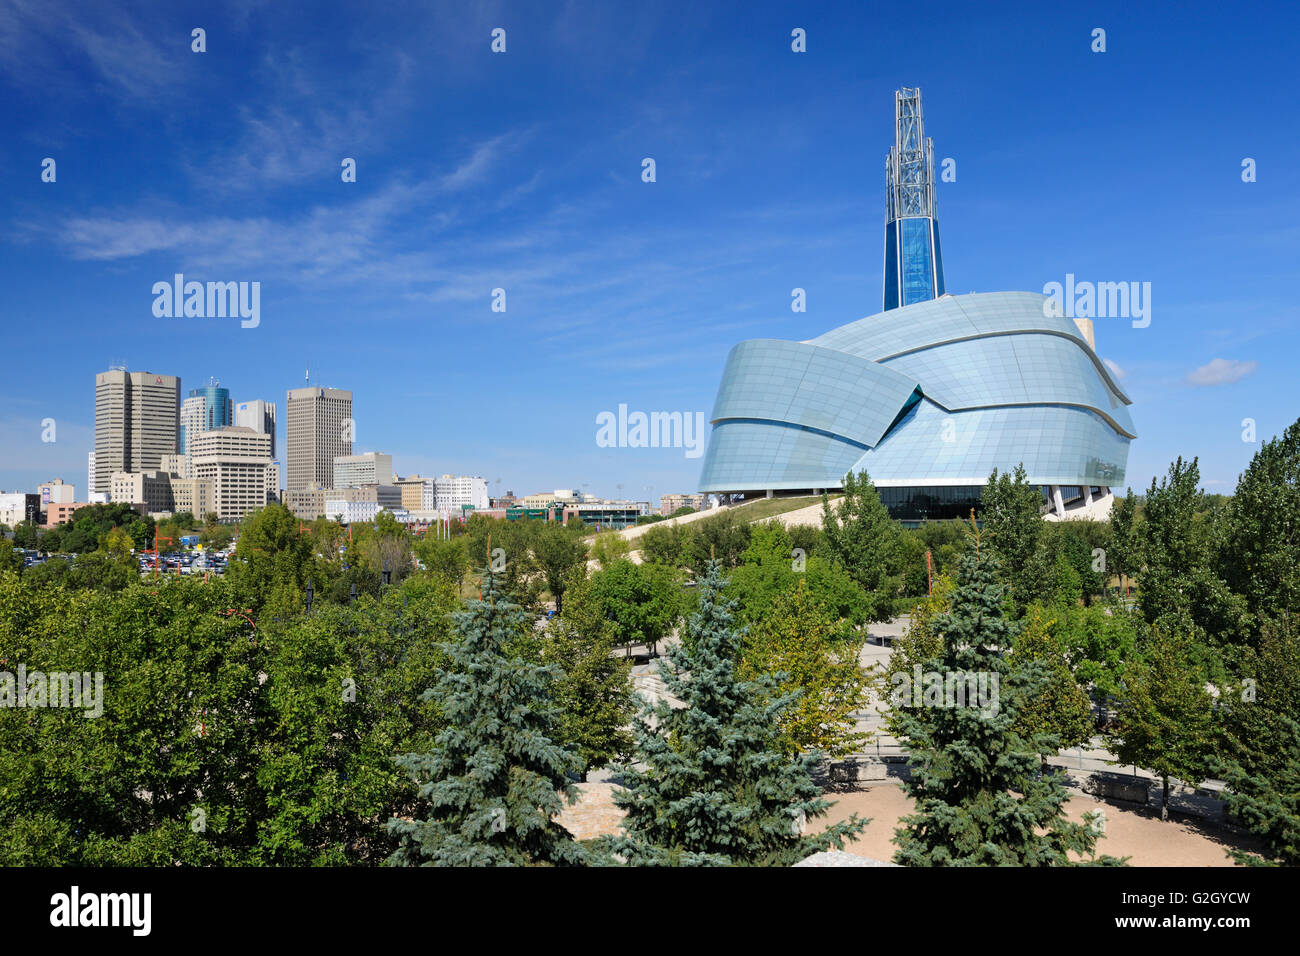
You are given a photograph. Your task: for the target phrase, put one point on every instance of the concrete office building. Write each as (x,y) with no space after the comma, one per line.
(318,428)
(193,495)
(351,512)
(372,468)
(57,492)
(137,421)
(17,506)
(178,465)
(453,492)
(237,462)
(152,489)
(307,504)
(418,494)
(60,513)
(258,415)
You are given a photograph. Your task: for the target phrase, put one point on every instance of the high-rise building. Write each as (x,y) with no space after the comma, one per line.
(90,475)
(913,264)
(372,468)
(318,429)
(236,462)
(205,408)
(259,416)
(136,423)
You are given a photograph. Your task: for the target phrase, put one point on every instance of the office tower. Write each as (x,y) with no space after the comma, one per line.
(236,462)
(206,407)
(372,468)
(136,422)
(318,429)
(258,415)
(194,416)
(913,263)
(90,475)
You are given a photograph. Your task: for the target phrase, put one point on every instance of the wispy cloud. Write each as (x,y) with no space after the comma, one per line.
(1222,372)
(43,46)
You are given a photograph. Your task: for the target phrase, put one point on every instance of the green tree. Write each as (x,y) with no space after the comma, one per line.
(642,601)
(27,534)
(813,657)
(1164,721)
(919,644)
(1124,551)
(1180,588)
(9,558)
(445,558)
(1011,510)
(981,796)
(343,696)
(557,551)
(493,779)
(593,695)
(722,537)
(1060,707)
(863,539)
(1260,552)
(273,561)
(1259,757)
(712,787)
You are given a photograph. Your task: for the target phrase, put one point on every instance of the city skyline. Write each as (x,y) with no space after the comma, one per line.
(523,171)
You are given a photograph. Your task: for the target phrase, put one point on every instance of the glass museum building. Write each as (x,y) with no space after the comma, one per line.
(928,396)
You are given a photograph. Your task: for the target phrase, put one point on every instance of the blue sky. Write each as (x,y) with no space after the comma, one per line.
(522,171)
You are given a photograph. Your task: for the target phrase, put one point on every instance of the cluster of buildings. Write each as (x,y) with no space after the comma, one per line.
(203,453)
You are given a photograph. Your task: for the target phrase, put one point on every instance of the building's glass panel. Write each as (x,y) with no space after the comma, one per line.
(1058,445)
(746,455)
(918,275)
(1012,370)
(932,502)
(805,385)
(891,265)
(938,260)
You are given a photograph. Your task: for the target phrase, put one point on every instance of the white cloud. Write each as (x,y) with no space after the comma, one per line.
(1222,372)
(1115,370)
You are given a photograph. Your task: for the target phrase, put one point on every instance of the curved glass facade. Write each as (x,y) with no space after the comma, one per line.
(933,395)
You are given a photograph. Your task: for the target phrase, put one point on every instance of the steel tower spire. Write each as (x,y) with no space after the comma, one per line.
(913,264)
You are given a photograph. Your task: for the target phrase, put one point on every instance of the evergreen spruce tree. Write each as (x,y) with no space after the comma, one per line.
(713,788)
(981,796)
(494,778)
